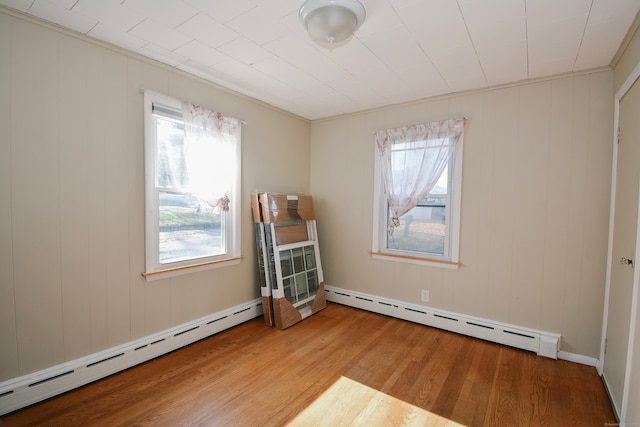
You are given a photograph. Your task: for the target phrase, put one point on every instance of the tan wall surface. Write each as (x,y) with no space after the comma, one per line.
(72,197)
(536,183)
(630,57)
(535,206)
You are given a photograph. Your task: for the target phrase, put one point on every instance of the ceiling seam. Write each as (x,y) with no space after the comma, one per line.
(426,55)
(473,45)
(584,31)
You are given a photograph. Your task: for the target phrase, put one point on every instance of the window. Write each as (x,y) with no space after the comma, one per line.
(417,193)
(192,180)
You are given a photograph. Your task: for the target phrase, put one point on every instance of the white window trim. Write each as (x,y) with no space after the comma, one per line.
(153,269)
(379,251)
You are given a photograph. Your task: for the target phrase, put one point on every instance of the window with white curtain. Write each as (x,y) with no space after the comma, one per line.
(417,197)
(192,187)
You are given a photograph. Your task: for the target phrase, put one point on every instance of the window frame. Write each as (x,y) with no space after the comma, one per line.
(154,270)
(451,258)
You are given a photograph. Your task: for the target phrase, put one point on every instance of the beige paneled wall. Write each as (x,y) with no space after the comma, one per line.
(8,342)
(536,184)
(72,197)
(534,220)
(629,57)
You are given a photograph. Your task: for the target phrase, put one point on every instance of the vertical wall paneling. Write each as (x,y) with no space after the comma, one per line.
(501,195)
(465,298)
(72,173)
(577,204)
(117,197)
(8,335)
(35,196)
(530,203)
(557,205)
(486,128)
(532,217)
(627,62)
(157,307)
(183,297)
(598,182)
(97,187)
(71,159)
(522,156)
(135,144)
(332,209)
(74,198)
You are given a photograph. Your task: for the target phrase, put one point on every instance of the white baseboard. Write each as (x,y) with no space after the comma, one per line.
(19,392)
(579,358)
(28,389)
(541,342)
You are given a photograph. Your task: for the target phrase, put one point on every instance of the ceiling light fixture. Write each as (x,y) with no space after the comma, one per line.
(331,21)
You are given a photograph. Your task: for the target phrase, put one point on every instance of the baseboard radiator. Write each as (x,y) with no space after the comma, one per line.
(32,388)
(543,343)
(26,390)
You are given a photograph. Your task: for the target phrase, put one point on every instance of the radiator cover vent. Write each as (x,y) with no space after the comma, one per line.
(543,343)
(32,388)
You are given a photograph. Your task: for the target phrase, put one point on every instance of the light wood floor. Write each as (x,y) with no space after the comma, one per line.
(341,366)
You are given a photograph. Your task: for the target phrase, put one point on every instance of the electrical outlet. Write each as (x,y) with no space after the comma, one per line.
(425,295)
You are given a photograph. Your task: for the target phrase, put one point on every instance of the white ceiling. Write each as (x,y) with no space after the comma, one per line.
(405,50)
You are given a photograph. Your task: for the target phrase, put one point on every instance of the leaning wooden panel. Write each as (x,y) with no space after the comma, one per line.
(282,208)
(320,301)
(273,207)
(255,207)
(291,234)
(291,257)
(299,281)
(305,207)
(285,314)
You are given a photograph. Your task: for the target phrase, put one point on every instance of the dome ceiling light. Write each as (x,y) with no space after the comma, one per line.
(331,21)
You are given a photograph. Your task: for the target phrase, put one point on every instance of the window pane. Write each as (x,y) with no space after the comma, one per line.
(285,263)
(187,229)
(301,286)
(298,261)
(310,257)
(412,162)
(422,229)
(299,273)
(171,164)
(418,172)
(191,216)
(443,183)
(287,284)
(312,281)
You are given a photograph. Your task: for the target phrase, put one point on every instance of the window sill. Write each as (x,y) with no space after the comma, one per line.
(178,271)
(450,265)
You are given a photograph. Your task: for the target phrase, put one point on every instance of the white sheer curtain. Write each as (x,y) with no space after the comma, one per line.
(210,141)
(412,159)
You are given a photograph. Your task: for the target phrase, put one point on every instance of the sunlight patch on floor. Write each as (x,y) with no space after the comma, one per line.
(349,403)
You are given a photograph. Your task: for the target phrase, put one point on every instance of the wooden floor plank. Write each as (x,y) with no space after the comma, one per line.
(341,366)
